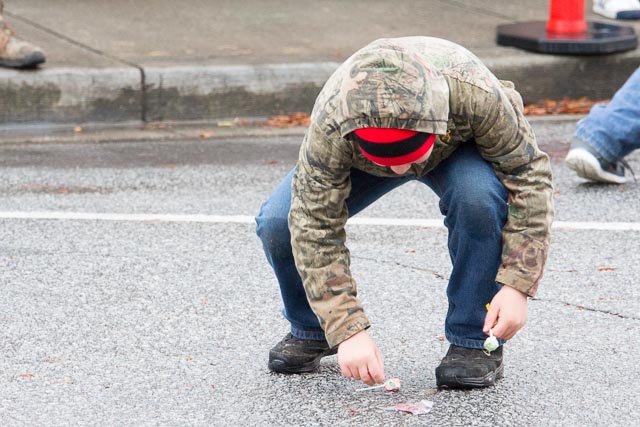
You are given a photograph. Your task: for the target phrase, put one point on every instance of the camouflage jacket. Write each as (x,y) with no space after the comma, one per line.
(428,85)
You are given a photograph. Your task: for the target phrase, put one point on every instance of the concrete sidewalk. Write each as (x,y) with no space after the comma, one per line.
(163,60)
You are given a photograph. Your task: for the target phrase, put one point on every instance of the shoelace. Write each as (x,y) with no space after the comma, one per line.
(626,166)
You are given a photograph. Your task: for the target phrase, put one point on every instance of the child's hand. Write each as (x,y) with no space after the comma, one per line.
(359,358)
(508,312)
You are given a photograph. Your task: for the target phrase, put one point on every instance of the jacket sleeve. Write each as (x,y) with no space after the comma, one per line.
(505,139)
(320,187)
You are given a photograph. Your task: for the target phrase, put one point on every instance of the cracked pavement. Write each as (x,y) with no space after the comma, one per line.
(169,323)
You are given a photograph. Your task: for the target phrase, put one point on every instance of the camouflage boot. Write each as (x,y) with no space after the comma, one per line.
(467,368)
(295,356)
(14,52)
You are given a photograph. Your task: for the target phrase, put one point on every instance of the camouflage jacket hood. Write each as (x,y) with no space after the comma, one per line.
(429,85)
(387,86)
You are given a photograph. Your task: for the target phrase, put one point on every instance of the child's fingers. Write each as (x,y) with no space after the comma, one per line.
(490,320)
(364,375)
(376,370)
(346,372)
(500,330)
(505,330)
(378,373)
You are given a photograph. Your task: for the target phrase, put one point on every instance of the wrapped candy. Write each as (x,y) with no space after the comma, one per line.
(417,408)
(392,384)
(491,343)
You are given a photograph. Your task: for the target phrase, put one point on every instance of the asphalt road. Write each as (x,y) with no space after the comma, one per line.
(148,319)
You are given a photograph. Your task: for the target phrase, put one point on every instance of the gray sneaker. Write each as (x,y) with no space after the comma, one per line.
(589,164)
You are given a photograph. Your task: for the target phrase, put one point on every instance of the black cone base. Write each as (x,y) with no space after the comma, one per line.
(597,40)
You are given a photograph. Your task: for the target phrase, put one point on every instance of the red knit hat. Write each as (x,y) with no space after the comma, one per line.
(393,147)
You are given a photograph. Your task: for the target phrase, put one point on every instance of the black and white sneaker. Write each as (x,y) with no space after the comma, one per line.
(588,164)
(617,9)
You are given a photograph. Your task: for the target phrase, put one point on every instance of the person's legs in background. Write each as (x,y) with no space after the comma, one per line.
(607,135)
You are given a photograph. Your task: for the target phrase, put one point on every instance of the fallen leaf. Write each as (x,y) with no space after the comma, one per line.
(204,302)
(61,190)
(27,375)
(580,308)
(352,411)
(570,271)
(272,162)
(410,251)
(291,120)
(206,134)
(565,106)
(440,337)
(77,129)
(606,268)
(158,54)
(64,380)
(154,126)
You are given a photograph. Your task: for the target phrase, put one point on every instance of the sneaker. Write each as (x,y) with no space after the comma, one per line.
(295,356)
(465,367)
(14,52)
(589,164)
(617,9)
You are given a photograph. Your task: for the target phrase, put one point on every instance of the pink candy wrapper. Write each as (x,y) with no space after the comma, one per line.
(418,408)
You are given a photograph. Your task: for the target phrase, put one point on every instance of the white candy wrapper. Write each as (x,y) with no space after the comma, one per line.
(491,343)
(416,408)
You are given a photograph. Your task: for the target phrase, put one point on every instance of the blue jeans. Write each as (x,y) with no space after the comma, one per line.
(473,201)
(613,130)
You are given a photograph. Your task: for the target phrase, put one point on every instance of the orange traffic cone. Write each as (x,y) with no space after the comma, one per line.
(566,32)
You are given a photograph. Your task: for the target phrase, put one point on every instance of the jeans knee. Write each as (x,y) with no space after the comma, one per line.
(487,217)
(274,233)
(482,213)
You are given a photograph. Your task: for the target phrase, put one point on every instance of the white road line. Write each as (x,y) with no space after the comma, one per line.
(248,219)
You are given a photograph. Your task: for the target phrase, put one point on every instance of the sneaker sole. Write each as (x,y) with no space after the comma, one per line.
(470,382)
(587,166)
(30,61)
(283,367)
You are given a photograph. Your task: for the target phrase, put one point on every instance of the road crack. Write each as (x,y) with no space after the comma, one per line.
(591,309)
(399,264)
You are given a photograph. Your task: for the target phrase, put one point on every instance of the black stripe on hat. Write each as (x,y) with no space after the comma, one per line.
(393,149)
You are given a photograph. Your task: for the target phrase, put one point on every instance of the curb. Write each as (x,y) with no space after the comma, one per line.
(70,95)
(200,93)
(111,95)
